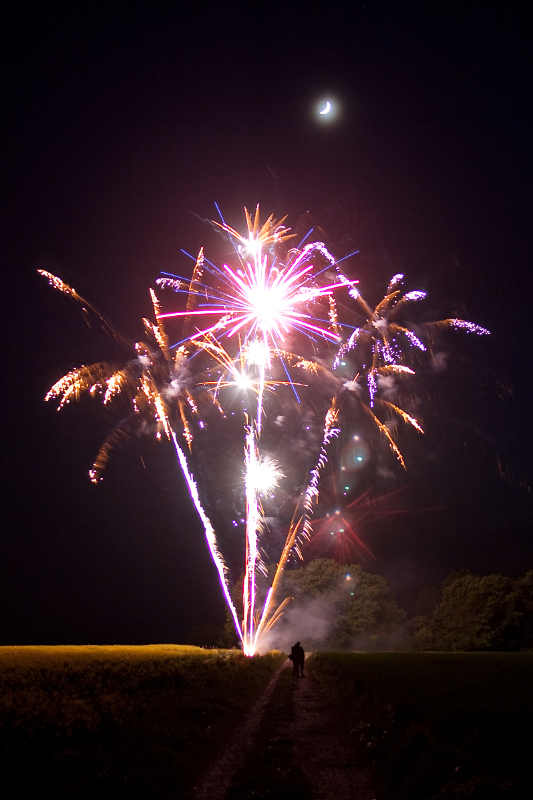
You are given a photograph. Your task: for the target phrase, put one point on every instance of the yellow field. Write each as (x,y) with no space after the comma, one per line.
(41,655)
(103,719)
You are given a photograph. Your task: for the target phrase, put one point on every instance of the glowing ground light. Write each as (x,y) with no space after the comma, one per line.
(239,318)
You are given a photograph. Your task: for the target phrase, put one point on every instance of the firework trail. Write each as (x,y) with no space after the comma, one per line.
(263,301)
(159,387)
(274,310)
(385,348)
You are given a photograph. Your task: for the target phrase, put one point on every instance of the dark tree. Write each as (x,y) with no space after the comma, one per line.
(477,614)
(359,606)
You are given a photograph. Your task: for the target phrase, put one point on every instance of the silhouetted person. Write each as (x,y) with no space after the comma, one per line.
(297,657)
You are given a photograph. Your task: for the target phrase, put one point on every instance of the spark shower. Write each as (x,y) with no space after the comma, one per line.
(275,322)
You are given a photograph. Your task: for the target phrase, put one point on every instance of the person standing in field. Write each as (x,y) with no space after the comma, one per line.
(297,657)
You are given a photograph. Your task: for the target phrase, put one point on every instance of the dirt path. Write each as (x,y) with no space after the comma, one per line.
(290,747)
(327,760)
(215,783)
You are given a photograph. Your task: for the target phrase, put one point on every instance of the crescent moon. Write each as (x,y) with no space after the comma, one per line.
(327,109)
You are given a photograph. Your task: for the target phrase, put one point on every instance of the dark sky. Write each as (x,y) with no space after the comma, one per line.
(123,125)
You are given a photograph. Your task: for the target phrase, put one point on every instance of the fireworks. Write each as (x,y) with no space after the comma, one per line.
(271,323)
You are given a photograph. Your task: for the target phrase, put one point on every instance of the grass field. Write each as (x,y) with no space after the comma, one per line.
(119,721)
(130,722)
(437,725)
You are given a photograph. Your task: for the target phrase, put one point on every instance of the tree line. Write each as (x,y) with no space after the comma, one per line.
(342,607)
(469,612)
(466,612)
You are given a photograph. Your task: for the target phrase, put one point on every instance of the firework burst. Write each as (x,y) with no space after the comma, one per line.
(267,324)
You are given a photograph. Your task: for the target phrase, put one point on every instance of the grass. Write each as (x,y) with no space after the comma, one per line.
(437,725)
(120,721)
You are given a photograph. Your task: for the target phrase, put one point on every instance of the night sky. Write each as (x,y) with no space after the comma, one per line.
(123,125)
